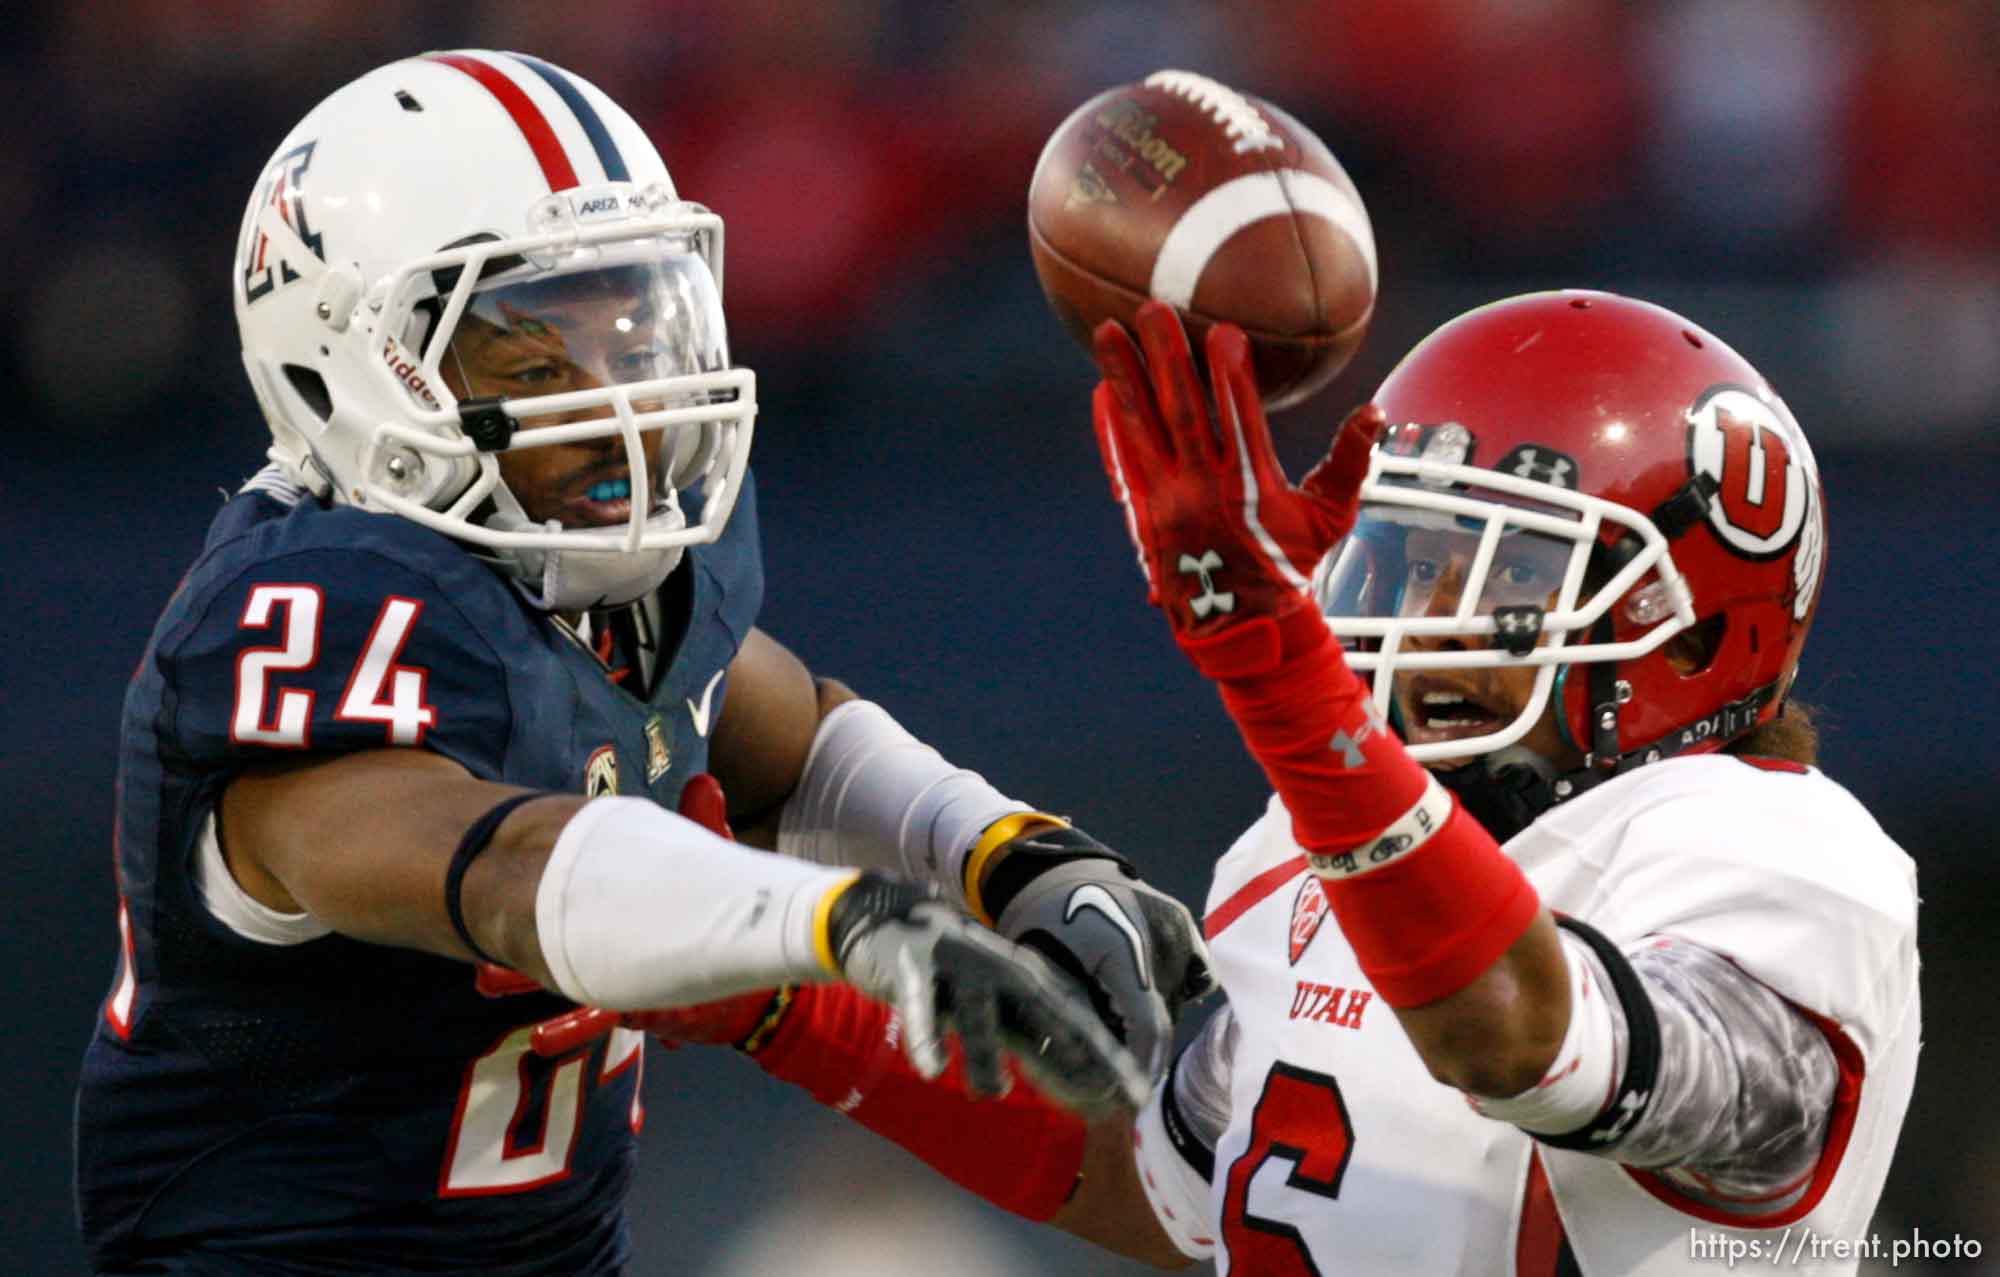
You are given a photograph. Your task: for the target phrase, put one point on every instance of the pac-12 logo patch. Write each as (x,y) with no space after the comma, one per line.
(263,262)
(1766,482)
(600,774)
(1308,912)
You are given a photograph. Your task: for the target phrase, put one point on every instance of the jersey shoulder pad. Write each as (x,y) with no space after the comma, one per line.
(332,629)
(1784,872)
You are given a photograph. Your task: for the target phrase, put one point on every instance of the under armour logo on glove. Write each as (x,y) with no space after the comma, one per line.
(1191,474)
(1210,599)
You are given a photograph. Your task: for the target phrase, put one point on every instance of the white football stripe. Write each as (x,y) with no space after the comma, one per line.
(1312,193)
(1211,220)
(1124,494)
(1252,495)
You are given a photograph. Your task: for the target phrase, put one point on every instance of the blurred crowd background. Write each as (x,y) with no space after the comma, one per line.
(1816,181)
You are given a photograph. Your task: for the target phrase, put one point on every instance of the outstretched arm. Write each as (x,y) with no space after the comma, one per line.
(619,904)
(825,776)
(1450,932)
(1019,1151)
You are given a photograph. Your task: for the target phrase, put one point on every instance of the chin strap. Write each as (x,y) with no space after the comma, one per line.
(1506,791)
(1504,796)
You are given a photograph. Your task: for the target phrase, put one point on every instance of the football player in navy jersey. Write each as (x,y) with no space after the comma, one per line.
(434,692)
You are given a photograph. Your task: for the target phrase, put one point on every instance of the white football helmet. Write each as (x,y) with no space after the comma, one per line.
(481,197)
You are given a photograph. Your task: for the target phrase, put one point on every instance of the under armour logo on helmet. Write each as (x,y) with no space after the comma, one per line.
(1210,599)
(1543,465)
(1518,628)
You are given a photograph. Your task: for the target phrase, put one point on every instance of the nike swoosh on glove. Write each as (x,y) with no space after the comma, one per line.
(1138,951)
(1222,535)
(940,971)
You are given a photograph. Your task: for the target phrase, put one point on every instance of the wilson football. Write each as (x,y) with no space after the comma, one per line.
(1181,189)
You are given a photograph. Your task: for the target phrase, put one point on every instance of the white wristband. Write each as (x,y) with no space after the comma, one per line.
(874,796)
(1176,1191)
(1412,830)
(639,908)
(1581,1079)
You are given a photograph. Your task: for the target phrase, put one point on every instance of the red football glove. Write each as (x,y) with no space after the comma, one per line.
(732,1021)
(1422,893)
(1223,536)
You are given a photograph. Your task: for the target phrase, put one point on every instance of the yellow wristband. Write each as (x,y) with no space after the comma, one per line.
(997,835)
(822,914)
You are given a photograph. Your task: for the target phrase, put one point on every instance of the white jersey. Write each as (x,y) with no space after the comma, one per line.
(1337,1151)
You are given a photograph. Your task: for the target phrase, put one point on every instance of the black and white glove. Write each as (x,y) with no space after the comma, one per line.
(940,970)
(1137,950)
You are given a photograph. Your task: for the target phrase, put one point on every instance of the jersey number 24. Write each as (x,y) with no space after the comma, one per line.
(380,689)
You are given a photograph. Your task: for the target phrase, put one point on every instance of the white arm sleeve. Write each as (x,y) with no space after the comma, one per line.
(1174,1136)
(1746,1083)
(1742,1090)
(639,908)
(876,797)
(1583,1077)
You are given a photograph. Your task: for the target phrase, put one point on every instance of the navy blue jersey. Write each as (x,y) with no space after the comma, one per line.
(329,1106)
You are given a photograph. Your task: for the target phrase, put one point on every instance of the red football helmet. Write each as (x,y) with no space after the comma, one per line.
(1568,481)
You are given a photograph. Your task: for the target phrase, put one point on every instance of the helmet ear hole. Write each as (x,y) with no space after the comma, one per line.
(1693,650)
(311,387)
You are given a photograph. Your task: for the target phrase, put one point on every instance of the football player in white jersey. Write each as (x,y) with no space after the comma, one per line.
(1549,591)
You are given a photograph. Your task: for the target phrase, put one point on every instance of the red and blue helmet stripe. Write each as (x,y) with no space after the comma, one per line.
(593,124)
(542,138)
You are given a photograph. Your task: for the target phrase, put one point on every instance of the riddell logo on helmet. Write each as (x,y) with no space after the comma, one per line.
(407,372)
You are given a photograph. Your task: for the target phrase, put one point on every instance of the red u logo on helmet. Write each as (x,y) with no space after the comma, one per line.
(1758,458)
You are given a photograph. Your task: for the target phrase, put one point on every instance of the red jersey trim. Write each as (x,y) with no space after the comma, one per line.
(1250,895)
(1846,1104)
(1538,1245)
(1766,764)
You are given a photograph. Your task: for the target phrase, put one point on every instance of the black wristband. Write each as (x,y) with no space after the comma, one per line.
(1180,1131)
(1039,849)
(477,836)
(1642,1056)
